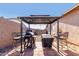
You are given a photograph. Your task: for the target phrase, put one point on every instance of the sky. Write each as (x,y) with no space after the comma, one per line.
(12,10)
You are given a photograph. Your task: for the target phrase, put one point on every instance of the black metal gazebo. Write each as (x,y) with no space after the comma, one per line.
(40,19)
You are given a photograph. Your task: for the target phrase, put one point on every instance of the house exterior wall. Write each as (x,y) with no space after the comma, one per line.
(6,29)
(70,23)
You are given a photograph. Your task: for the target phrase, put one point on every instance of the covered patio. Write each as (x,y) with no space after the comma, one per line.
(39,50)
(39,19)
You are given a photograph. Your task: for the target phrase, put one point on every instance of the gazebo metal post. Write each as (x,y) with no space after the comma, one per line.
(50,28)
(58,35)
(21,29)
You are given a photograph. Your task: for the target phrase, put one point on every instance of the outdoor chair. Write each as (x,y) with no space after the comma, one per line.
(16,38)
(28,40)
(63,40)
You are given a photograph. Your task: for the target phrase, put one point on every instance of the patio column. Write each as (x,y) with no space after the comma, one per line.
(50,29)
(21,29)
(58,35)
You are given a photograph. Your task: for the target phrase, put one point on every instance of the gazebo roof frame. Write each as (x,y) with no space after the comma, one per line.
(39,19)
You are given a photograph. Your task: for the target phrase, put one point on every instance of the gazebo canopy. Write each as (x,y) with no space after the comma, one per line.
(39,19)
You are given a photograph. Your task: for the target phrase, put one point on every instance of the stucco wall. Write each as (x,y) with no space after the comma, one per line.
(70,23)
(6,29)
